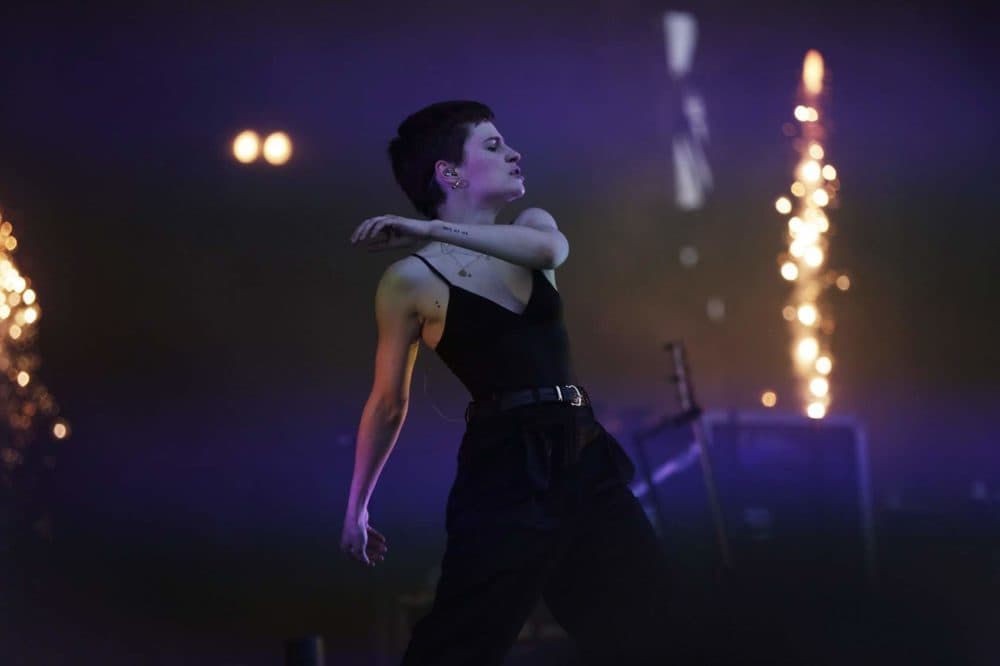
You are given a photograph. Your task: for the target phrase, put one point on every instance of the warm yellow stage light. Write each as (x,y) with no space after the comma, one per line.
(29,296)
(23,378)
(783,205)
(814,256)
(810,171)
(277,148)
(843,283)
(816,410)
(824,365)
(816,151)
(789,271)
(14,332)
(802,113)
(794,225)
(769,399)
(798,189)
(829,172)
(812,72)
(821,198)
(807,349)
(819,387)
(246,146)
(808,314)
(60,430)
(808,233)
(30,315)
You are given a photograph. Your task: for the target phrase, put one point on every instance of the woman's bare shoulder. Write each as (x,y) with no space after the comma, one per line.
(405,273)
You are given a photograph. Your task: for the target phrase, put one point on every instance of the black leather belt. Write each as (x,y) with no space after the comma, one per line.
(504,400)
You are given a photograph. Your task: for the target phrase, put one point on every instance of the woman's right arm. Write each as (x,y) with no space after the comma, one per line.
(385,409)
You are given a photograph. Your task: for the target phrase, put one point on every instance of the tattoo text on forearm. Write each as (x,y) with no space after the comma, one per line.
(445,227)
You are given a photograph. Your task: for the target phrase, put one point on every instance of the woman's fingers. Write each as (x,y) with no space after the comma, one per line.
(365,230)
(359,232)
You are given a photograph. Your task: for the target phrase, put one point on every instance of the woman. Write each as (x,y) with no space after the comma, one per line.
(540,506)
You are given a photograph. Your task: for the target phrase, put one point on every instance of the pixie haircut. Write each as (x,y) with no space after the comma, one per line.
(436,132)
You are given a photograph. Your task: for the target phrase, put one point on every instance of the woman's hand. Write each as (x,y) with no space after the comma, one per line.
(362,542)
(390,232)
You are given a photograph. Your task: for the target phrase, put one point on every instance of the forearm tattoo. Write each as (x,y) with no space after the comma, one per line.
(456,230)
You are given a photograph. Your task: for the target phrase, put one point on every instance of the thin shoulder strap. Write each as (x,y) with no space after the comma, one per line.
(434,270)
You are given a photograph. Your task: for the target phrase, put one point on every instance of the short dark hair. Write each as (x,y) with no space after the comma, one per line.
(435,132)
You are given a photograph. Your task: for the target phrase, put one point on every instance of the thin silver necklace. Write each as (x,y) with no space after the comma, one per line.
(462,270)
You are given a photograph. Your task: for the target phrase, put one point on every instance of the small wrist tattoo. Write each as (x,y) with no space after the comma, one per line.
(463,232)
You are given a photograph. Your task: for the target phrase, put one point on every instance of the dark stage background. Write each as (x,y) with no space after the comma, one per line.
(209,331)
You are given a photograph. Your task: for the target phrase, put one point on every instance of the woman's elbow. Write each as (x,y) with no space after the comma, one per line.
(388,410)
(556,251)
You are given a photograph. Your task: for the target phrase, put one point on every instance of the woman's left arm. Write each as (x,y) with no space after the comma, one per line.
(533,240)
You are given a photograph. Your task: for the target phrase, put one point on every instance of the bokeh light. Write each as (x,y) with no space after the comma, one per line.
(807,349)
(26,407)
(824,365)
(246,146)
(811,171)
(716,309)
(819,387)
(277,148)
(689,256)
(814,256)
(812,72)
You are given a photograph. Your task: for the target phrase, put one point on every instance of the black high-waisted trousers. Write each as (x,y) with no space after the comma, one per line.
(540,506)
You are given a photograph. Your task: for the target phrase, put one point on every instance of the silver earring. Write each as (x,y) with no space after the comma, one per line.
(458,183)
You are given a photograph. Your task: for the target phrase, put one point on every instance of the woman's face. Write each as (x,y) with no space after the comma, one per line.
(491,167)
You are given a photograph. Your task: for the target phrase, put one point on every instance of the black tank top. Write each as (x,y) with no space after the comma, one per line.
(491,348)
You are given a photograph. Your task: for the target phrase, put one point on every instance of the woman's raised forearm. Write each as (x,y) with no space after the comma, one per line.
(522,245)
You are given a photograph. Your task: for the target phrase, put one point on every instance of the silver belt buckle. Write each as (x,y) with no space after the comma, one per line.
(577,400)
